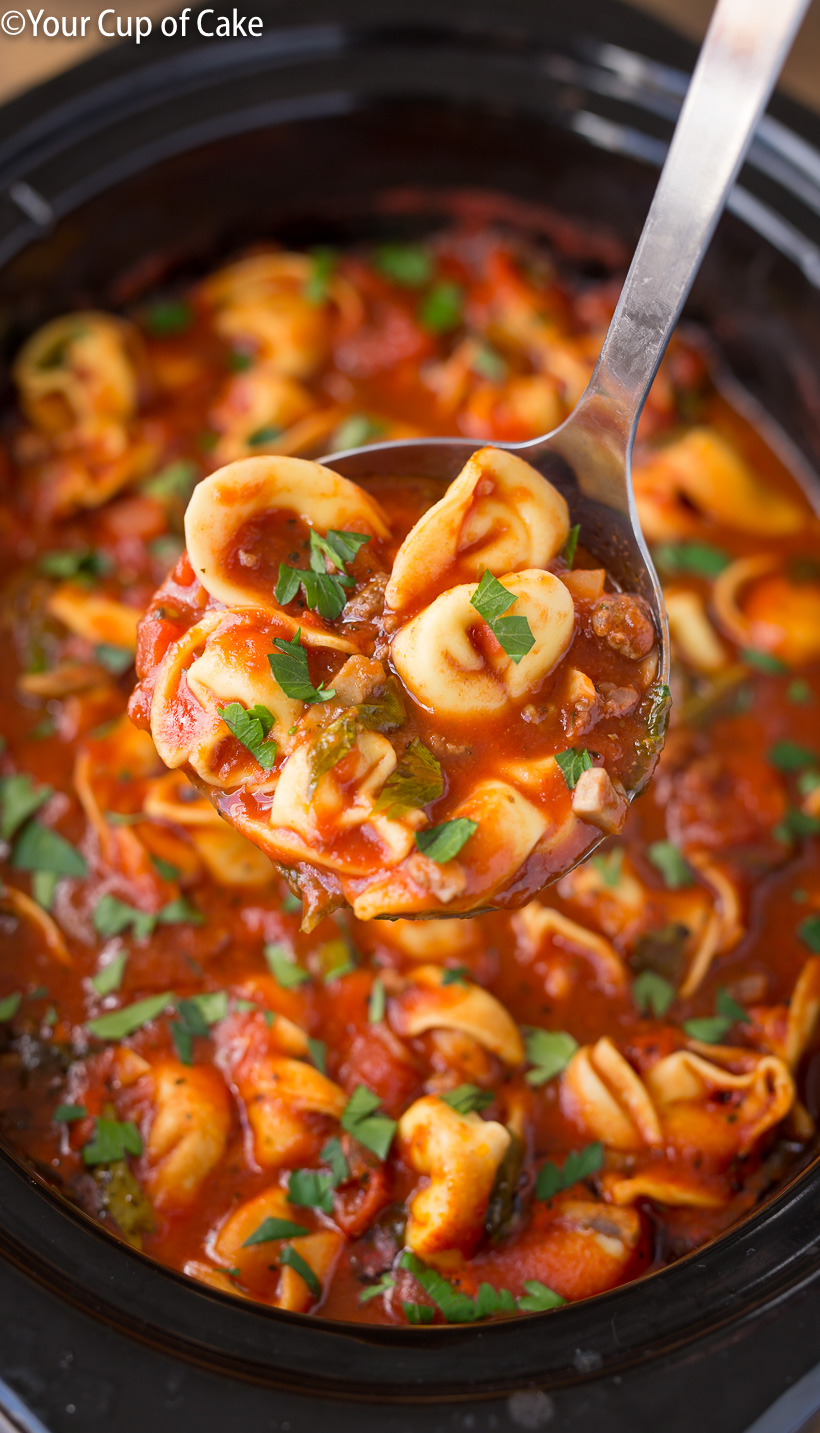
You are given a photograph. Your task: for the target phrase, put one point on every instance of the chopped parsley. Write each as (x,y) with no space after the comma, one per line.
(290,669)
(333,743)
(764,662)
(284,967)
(573,762)
(316,287)
(609,865)
(417,1313)
(712,1028)
(111,1141)
(166,317)
(442,843)
(442,309)
(577,1165)
(311,1189)
(264,436)
(10,1004)
(382,1286)
(109,978)
(76,564)
(116,660)
(795,825)
(569,549)
(791,756)
(361,1118)
(669,860)
(69,1114)
(317,1049)
(416,781)
(799,693)
(548,1052)
(271,1228)
(466,1099)
(488,363)
(356,430)
(652,994)
(113,916)
(491,600)
(300,1266)
(455,975)
(324,591)
(377,1002)
(19,799)
(334,1156)
(385,709)
(538,1298)
(809,932)
(172,484)
(38,848)
(410,265)
(455,1306)
(117,1024)
(690,559)
(252,726)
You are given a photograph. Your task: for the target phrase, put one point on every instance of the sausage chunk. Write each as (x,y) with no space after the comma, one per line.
(624,624)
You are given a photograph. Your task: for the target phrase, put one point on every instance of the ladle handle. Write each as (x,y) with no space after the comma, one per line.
(745,47)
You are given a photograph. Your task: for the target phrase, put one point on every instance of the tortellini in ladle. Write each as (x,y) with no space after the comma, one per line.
(384,711)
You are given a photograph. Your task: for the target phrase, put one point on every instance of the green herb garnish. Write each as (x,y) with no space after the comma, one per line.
(290,669)
(712,1028)
(465,1099)
(442,309)
(361,1119)
(577,1165)
(76,564)
(116,660)
(69,1114)
(652,994)
(377,1002)
(301,1267)
(690,559)
(271,1228)
(764,662)
(252,726)
(113,916)
(491,600)
(415,781)
(109,978)
(316,288)
(384,1284)
(10,1004)
(573,762)
(38,848)
(791,756)
(168,316)
(443,843)
(283,966)
(19,799)
(119,1023)
(111,1141)
(569,549)
(548,1052)
(669,860)
(809,932)
(410,265)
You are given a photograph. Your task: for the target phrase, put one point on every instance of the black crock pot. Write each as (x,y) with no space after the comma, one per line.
(352,117)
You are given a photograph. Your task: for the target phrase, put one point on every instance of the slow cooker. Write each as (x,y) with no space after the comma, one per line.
(359,117)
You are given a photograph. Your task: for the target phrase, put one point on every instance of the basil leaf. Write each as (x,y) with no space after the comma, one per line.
(119,1023)
(442,309)
(651,993)
(359,1118)
(572,763)
(809,932)
(691,559)
(283,966)
(69,1114)
(251,727)
(668,859)
(548,1051)
(410,265)
(570,546)
(538,1298)
(464,1099)
(577,1165)
(316,287)
(38,848)
(290,669)
(384,1284)
(111,1141)
(442,843)
(9,1005)
(19,799)
(289,1256)
(377,1002)
(415,781)
(271,1228)
(109,978)
(791,756)
(491,600)
(312,1189)
(113,916)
